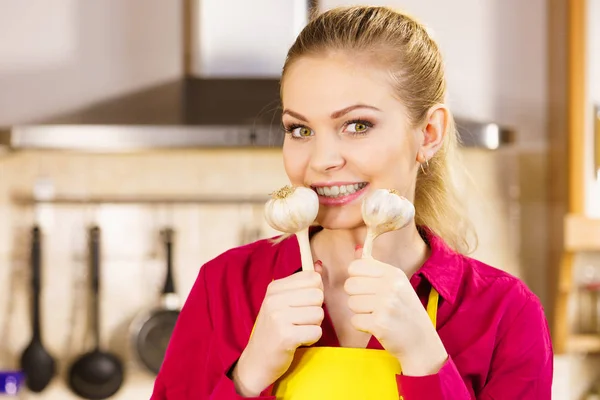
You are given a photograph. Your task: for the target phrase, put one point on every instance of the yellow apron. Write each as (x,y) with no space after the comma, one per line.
(336,373)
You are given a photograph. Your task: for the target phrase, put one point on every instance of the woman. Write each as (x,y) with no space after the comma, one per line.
(363,97)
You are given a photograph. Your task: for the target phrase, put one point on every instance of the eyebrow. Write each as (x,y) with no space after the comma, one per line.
(334,115)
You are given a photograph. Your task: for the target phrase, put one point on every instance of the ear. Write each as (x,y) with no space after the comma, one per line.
(434,132)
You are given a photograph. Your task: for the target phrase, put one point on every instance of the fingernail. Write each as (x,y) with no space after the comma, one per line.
(357,247)
(319,263)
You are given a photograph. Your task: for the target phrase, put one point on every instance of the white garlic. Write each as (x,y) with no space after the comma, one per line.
(383,211)
(293,210)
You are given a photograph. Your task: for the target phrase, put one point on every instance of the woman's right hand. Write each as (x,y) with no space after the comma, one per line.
(290,317)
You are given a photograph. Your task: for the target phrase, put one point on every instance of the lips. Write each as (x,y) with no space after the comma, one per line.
(340,194)
(335,191)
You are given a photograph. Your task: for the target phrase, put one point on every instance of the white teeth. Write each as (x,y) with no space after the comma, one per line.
(338,191)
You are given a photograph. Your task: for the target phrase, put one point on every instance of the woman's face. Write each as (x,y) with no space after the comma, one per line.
(347,135)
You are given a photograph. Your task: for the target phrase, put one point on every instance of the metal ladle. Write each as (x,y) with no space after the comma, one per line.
(97,374)
(37,364)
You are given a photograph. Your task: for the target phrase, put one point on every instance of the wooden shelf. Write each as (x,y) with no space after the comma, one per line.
(581,233)
(584,343)
(570,118)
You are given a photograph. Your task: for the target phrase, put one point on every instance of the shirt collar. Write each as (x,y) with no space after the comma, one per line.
(443,269)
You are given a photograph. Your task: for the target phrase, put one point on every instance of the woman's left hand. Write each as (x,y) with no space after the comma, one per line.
(386,306)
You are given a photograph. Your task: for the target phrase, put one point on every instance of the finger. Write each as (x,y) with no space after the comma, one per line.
(306,315)
(361,285)
(298,298)
(299,280)
(363,322)
(362,304)
(307,334)
(319,267)
(358,250)
(366,267)
(321,270)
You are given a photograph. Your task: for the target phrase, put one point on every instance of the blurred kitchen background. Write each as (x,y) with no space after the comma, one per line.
(137,115)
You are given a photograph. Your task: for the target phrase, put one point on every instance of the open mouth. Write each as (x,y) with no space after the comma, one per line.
(339,191)
(337,195)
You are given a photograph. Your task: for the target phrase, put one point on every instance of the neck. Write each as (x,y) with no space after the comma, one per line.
(404,249)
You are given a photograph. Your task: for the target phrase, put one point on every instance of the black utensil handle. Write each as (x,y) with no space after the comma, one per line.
(94,237)
(167,235)
(36,285)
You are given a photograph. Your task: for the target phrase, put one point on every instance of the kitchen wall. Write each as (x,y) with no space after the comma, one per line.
(68,54)
(494,73)
(133,259)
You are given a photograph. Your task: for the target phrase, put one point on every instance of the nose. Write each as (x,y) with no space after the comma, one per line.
(326,155)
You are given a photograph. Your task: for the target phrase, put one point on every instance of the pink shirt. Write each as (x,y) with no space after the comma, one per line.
(492,325)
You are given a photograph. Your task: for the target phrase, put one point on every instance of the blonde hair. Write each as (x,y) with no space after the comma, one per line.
(401,44)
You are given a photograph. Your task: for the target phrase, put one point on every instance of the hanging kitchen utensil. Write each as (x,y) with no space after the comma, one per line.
(151,331)
(37,364)
(97,374)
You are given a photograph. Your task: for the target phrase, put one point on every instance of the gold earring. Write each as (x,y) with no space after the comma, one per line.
(426,162)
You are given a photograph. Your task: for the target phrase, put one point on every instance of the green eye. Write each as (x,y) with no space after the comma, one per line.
(304,131)
(299,132)
(358,127)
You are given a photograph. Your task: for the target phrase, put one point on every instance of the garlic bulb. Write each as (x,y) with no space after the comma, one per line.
(293,210)
(383,211)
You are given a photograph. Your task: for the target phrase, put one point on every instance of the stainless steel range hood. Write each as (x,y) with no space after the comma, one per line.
(190,113)
(201,110)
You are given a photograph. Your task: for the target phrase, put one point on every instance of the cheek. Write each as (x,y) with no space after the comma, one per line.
(294,166)
(387,164)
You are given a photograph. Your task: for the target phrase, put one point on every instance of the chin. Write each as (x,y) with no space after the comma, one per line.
(340,218)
